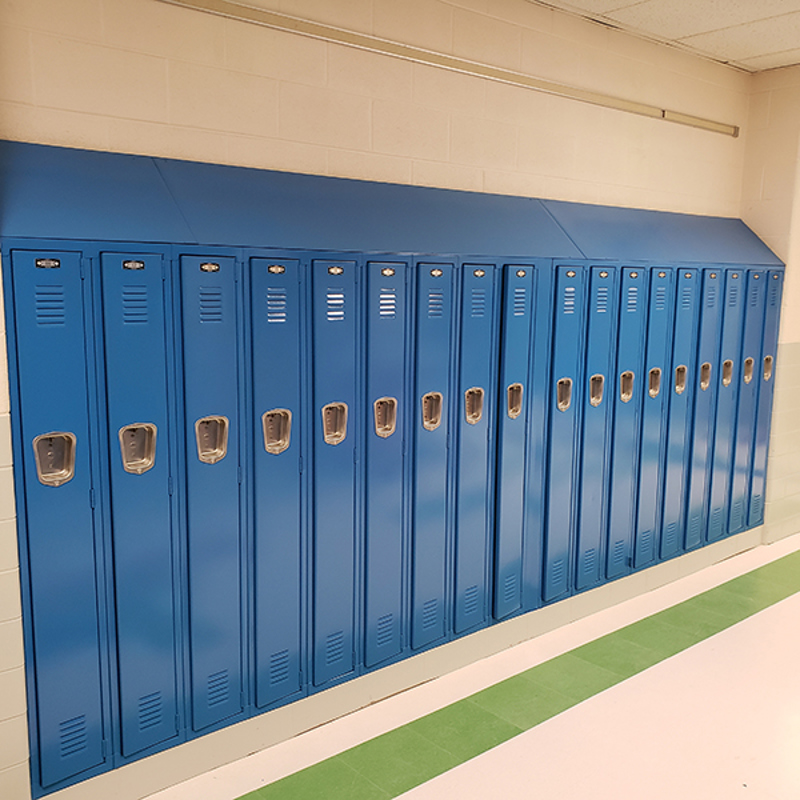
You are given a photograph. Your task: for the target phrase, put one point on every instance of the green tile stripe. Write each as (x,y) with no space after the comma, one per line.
(388,765)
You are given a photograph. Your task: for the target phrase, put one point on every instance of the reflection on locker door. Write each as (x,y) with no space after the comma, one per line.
(336,425)
(749,358)
(656,392)
(431,475)
(629,387)
(51,304)
(211,407)
(512,438)
(141,512)
(765,375)
(475,483)
(276,295)
(597,414)
(681,383)
(387,406)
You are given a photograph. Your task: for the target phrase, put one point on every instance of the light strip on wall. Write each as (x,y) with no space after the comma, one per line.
(283,22)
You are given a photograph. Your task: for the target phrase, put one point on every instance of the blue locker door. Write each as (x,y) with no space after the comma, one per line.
(141,513)
(728,380)
(475,487)
(704,405)
(748,398)
(387,412)
(431,481)
(628,393)
(51,309)
(211,403)
(656,393)
(598,404)
(565,401)
(336,424)
(512,440)
(278,536)
(765,377)
(681,384)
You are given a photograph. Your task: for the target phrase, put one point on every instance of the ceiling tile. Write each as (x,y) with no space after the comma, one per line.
(589,7)
(772,60)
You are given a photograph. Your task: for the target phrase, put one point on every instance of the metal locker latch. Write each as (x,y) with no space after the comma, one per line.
(385,409)
(564,394)
(212,439)
(626,386)
(748,370)
(727,372)
(277,425)
(514,400)
(55,457)
(767,367)
(680,379)
(596,385)
(654,382)
(705,376)
(431,410)
(334,423)
(137,443)
(473,405)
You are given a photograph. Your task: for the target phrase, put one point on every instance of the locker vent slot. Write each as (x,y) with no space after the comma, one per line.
(767,367)
(72,736)
(618,553)
(211,434)
(680,379)
(514,400)
(564,393)
(601,305)
(431,410)
(671,535)
(276,305)
(385,409)
(50,305)
(210,304)
(736,513)
(335,300)
(754,296)
(716,521)
(435,304)
(654,382)
(471,600)
(633,299)
(569,300)
(134,305)
(55,457)
(334,648)
(510,589)
(137,444)
(557,572)
(748,370)
(218,688)
(661,297)
(430,613)
(756,506)
(151,711)
(334,423)
(473,405)
(385,629)
(686,298)
(626,386)
(727,372)
(711,297)
(589,561)
(277,427)
(278,667)
(733,295)
(644,542)
(478,303)
(773,293)
(705,375)
(520,301)
(596,383)
(694,529)
(387,304)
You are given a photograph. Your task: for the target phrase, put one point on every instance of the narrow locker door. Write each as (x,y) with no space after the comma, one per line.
(51,312)
(475,486)
(728,381)
(276,296)
(387,410)
(765,375)
(141,512)
(211,407)
(750,359)
(681,384)
(629,386)
(704,404)
(656,393)
(598,406)
(512,440)
(336,425)
(431,478)
(565,401)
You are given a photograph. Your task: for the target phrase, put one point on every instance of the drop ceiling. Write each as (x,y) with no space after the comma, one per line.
(752,35)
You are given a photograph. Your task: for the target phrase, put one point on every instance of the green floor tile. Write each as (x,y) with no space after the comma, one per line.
(732,606)
(785,571)
(331,779)
(695,617)
(653,634)
(618,655)
(573,677)
(761,588)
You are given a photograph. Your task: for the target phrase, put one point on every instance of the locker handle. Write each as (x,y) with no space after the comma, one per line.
(211,434)
(727,372)
(514,393)
(626,386)
(55,457)
(385,409)
(680,379)
(654,382)
(473,405)
(334,423)
(596,386)
(748,370)
(767,367)
(431,410)
(137,444)
(705,375)
(564,394)
(277,426)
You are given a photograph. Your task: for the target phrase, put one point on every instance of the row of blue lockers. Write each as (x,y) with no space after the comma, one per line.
(246,475)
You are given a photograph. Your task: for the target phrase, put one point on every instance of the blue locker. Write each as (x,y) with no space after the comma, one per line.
(277,293)
(518,304)
(597,414)
(337,422)
(681,385)
(728,379)
(749,358)
(387,411)
(628,393)
(140,462)
(704,405)
(475,477)
(51,305)
(766,380)
(656,394)
(565,402)
(430,520)
(211,408)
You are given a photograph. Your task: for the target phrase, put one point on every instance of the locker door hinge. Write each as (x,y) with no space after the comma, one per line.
(92,499)
(177,722)
(83,268)
(301,464)
(355,455)
(104,748)
(170,485)
(239,473)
